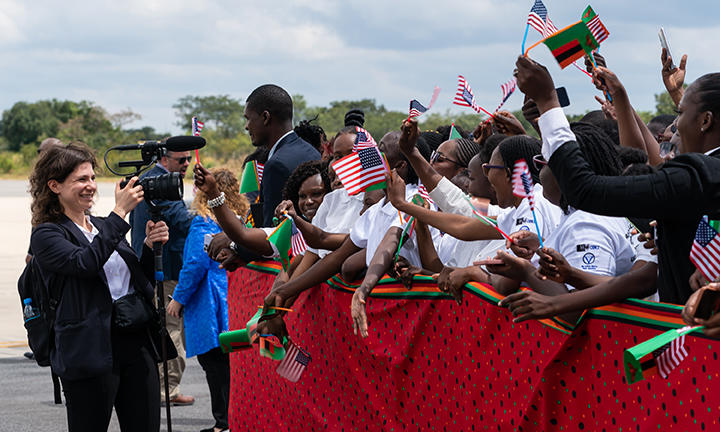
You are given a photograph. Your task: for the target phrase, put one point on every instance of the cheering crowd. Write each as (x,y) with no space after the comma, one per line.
(591,213)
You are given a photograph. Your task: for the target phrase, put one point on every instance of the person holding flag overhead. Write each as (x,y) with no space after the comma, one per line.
(677,195)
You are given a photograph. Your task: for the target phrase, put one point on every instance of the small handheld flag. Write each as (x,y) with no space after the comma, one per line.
(271,347)
(363,139)
(251,177)
(487,220)
(362,170)
(465,97)
(281,237)
(523,187)
(454,134)
(294,364)
(660,355)
(507,90)
(424,194)
(197,127)
(297,241)
(417,109)
(705,250)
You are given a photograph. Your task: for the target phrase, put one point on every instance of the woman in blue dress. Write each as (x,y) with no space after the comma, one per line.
(201,295)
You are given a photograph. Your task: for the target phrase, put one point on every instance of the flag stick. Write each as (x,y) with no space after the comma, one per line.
(527,27)
(197,155)
(607,95)
(544,39)
(487,221)
(537,227)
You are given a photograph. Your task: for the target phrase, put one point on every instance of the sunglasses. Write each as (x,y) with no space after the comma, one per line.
(181,160)
(539,161)
(436,156)
(487,167)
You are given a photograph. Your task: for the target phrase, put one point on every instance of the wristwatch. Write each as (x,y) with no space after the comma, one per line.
(233,247)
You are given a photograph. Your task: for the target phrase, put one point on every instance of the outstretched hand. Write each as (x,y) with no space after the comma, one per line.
(524,243)
(357,311)
(512,267)
(506,123)
(535,81)
(525,305)
(205,181)
(673,77)
(553,266)
(395,188)
(606,80)
(285,206)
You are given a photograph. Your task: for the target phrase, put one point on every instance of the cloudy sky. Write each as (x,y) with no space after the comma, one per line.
(146,54)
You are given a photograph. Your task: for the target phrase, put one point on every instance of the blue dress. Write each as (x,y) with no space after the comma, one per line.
(202,290)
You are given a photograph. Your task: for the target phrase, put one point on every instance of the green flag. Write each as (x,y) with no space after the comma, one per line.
(571,44)
(588,14)
(270,349)
(281,238)
(250,181)
(454,134)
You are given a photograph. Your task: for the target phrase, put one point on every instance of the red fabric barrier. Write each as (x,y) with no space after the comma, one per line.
(430,364)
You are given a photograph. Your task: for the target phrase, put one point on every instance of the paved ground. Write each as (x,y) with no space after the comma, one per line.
(26,398)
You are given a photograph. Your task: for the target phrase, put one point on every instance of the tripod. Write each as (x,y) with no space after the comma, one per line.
(156,216)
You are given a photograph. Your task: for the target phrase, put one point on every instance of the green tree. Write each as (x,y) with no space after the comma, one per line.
(664,104)
(222,113)
(25,123)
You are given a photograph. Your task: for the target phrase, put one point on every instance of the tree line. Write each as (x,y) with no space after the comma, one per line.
(26,124)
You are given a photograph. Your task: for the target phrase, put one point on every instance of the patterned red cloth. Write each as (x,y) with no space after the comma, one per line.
(431,364)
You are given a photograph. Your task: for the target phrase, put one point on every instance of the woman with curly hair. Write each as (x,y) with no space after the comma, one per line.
(201,294)
(102,361)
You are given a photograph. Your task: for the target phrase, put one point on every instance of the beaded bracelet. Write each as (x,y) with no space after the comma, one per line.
(217,201)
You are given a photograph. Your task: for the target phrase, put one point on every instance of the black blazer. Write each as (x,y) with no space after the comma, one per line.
(290,152)
(83,347)
(677,196)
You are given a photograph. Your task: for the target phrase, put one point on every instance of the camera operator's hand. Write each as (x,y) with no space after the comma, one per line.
(127,198)
(205,181)
(219,242)
(174,308)
(156,232)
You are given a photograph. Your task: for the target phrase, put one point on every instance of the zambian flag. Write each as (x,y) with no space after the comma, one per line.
(251,177)
(271,348)
(281,238)
(571,44)
(588,14)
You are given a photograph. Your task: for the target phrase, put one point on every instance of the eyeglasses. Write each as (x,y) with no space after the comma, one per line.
(487,167)
(181,160)
(436,156)
(539,161)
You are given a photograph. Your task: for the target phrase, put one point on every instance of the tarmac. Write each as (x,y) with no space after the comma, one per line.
(26,396)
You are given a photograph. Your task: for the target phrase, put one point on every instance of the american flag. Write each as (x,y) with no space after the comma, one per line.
(539,20)
(422,190)
(294,364)
(297,241)
(259,171)
(522,182)
(507,90)
(464,95)
(197,126)
(669,356)
(358,171)
(363,140)
(416,109)
(598,30)
(705,250)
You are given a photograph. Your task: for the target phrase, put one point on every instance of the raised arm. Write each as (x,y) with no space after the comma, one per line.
(408,141)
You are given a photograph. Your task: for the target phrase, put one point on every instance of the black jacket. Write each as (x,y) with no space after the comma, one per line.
(83,346)
(290,152)
(677,196)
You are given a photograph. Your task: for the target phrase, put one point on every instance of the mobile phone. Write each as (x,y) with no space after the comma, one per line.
(562,96)
(206,242)
(665,148)
(664,44)
(709,304)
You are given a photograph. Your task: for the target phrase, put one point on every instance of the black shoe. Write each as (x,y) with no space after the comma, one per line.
(29,355)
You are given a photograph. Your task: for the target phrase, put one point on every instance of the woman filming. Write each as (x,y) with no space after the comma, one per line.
(103,351)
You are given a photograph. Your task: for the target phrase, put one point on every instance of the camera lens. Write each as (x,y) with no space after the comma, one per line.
(163,187)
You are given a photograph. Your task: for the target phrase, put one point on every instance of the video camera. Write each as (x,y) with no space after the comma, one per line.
(163,187)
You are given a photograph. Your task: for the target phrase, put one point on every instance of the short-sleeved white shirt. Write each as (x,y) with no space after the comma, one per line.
(595,244)
(337,214)
(521,218)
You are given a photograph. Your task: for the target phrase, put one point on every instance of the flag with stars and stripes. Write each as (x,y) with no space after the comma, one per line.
(669,356)
(362,170)
(297,241)
(597,29)
(422,190)
(522,182)
(197,126)
(507,90)
(417,109)
(464,95)
(363,140)
(705,250)
(539,20)
(294,364)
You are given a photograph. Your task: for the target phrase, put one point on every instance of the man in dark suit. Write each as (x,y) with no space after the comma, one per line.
(268,114)
(178,219)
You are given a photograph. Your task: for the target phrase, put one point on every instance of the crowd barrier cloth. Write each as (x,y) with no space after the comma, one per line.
(431,364)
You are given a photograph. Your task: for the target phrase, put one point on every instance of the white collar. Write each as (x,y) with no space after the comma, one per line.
(272,150)
(707,153)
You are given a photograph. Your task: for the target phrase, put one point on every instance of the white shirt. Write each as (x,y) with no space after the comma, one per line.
(372,226)
(555,131)
(521,218)
(450,250)
(274,147)
(596,244)
(116,270)
(337,213)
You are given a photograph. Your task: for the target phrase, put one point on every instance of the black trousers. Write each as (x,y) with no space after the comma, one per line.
(132,387)
(216,365)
